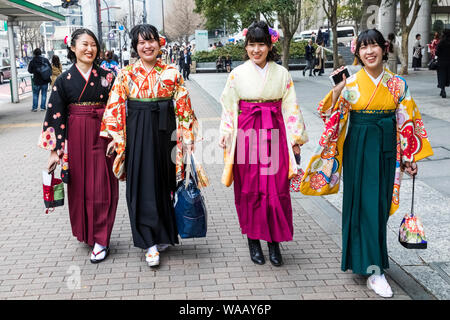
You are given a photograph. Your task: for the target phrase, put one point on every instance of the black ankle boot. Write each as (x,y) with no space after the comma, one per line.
(275,254)
(443,93)
(255,251)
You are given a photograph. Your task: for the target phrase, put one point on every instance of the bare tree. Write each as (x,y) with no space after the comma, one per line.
(182,21)
(406,7)
(29,34)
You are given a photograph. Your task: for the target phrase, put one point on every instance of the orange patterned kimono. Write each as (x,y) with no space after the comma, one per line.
(134,81)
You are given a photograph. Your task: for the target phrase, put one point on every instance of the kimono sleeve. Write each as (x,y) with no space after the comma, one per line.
(53,134)
(414,141)
(187,120)
(114,117)
(229,101)
(293,118)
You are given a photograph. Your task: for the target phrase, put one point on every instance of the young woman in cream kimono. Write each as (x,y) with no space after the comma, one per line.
(261,128)
(386,134)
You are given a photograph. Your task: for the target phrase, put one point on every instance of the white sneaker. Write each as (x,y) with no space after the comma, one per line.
(380,285)
(162,247)
(152,259)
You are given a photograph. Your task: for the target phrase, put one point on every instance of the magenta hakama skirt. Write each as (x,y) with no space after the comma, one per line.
(260,170)
(93,190)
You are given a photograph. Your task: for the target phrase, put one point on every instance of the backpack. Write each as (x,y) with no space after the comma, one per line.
(44,71)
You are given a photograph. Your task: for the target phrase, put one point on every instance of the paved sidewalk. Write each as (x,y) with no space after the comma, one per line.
(415,270)
(40,259)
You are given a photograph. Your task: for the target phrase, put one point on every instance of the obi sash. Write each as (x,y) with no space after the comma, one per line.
(385,121)
(160,105)
(94,109)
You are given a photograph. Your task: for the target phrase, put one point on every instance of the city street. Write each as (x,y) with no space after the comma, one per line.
(40,259)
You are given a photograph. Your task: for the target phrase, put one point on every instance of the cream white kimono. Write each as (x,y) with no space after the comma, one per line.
(246,83)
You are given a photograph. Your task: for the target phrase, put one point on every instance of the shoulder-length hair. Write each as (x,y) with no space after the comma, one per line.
(75,35)
(146,31)
(371,36)
(259,32)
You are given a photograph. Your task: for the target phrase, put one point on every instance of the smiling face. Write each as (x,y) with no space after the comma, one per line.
(148,49)
(371,55)
(257,52)
(85,49)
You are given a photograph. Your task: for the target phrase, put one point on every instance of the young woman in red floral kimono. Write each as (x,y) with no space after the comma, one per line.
(141,118)
(71,133)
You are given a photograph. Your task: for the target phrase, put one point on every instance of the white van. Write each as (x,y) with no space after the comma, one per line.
(345,35)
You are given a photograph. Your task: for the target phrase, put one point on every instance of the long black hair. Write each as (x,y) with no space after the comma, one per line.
(73,39)
(146,31)
(55,61)
(371,36)
(259,32)
(391,38)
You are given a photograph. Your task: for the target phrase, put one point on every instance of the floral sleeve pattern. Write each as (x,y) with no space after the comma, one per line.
(229,101)
(296,129)
(53,135)
(183,111)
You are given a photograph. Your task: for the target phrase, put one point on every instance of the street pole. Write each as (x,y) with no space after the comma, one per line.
(109,24)
(144,17)
(99,23)
(162,6)
(12,58)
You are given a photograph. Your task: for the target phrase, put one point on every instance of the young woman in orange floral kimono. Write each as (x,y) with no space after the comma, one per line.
(141,118)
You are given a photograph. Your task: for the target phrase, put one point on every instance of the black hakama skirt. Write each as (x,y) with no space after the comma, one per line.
(151,176)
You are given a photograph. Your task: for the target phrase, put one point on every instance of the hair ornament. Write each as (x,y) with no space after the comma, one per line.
(162,41)
(244,32)
(274,35)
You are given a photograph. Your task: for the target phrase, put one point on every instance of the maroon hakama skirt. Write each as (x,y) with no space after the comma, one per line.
(93,190)
(260,170)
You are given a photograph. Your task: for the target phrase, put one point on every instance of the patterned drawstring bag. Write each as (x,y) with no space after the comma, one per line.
(53,191)
(411,234)
(295,181)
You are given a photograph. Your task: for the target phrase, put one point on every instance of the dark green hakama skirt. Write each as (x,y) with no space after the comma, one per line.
(369,162)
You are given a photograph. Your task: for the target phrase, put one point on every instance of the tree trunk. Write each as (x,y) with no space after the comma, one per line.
(405,58)
(286,48)
(335,45)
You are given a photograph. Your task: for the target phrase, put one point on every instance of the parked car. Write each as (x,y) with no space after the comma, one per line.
(5,69)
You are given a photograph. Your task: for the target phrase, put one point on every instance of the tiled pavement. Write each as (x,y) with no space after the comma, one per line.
(40,259)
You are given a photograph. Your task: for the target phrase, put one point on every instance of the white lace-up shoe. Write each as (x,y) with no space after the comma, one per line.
(152,259)
(380,285)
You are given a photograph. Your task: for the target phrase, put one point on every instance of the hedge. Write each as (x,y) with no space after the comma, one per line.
(237,51)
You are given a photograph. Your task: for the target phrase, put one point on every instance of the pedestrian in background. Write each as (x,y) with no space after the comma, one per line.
(41,69)
(370,155)
(320,60)
(186,64)
(56,69)
(228,63)
(115,57)
(309,57)
(417,53)
(393,53)
(443,56)
(433,45)
(125,57)
(260,113)
(109,63)
(141,118)
(71,134)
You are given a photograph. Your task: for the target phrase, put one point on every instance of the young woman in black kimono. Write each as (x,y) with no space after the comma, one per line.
(71,133)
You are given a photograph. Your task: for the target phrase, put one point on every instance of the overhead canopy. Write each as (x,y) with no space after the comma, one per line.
(21,10)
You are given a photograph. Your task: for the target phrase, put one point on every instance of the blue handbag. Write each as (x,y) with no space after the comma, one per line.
(190,209)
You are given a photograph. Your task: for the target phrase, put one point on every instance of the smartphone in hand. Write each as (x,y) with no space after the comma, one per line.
(338,77)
